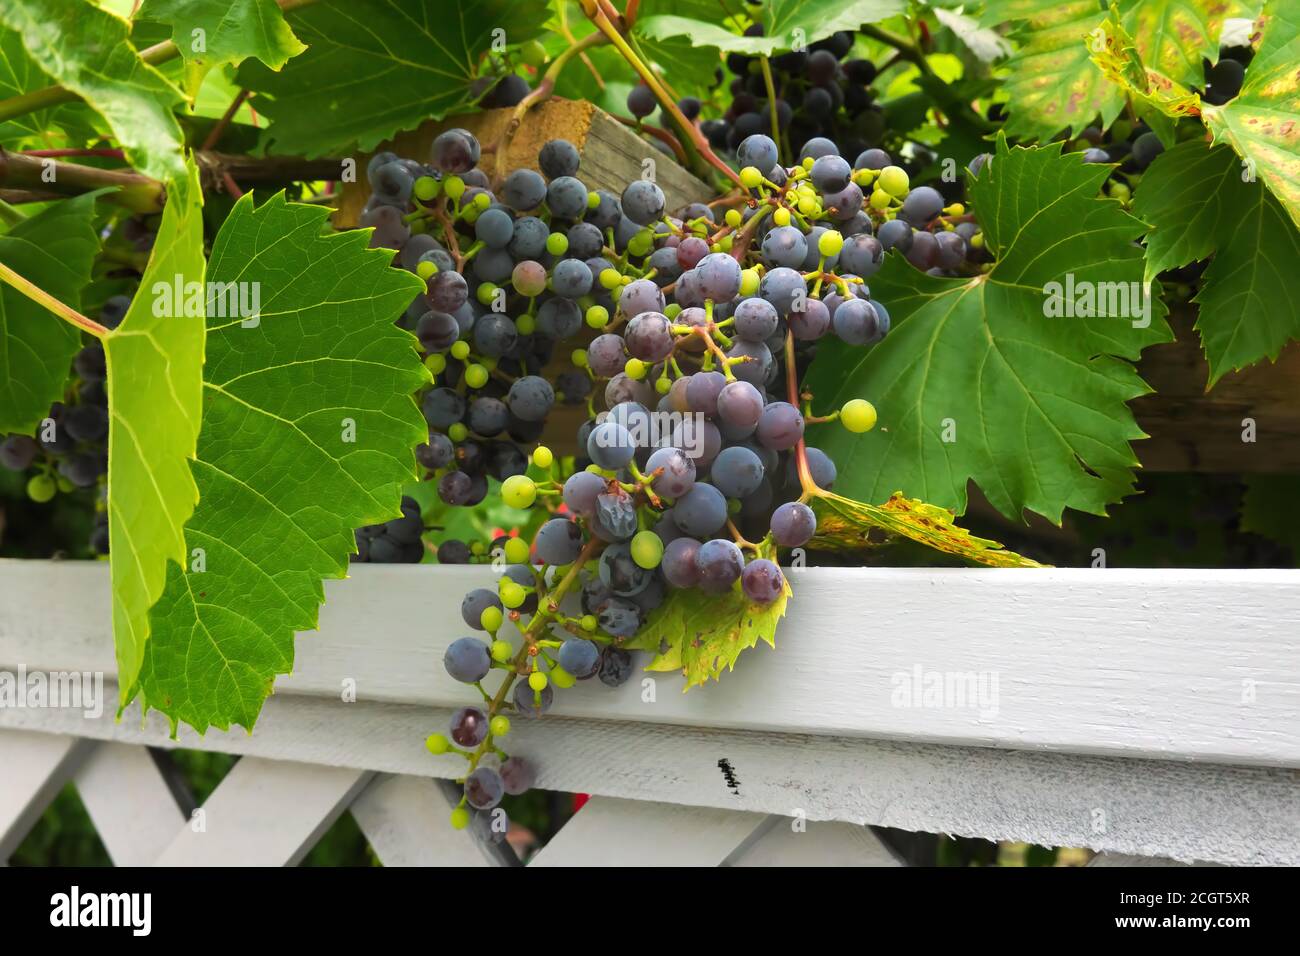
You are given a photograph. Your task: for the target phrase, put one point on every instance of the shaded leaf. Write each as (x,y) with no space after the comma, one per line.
(1198,204)
(67,124)
(1271,507)
(308,432)
(54,249)
(374,67)
(988,378)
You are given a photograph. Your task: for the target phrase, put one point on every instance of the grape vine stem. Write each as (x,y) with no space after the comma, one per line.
(537,624)
(810,489)
(43,298)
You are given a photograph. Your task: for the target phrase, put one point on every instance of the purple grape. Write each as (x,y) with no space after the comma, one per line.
(719,563)
(678,472)
(469,727)
(762,581)
(484,789)
(793,525)
(780,426)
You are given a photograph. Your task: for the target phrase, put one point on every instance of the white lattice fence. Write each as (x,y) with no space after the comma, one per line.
(1140,713)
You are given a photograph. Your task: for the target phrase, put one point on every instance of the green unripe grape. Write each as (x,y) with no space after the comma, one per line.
(478,549)
(809,206)
(491,619)
(65,484)
(733,218)
(470,213)
(457,431)
(781,217)
(482,201)
(858,415)
(485,292)
(733,506)
(499,725)
(532,53)
(459,818)
(1120,191)
(977,241)
(502,651)
(426,270)
(41,488)
(610,278)
(749,280)
(956,209)
(437,744)
(635,369)
(557,243)
(593,199)
(476,376)
(597,317)
(526,324)
(830,243)
(672,309)
(436,363)
(750,177)
(537,681)
(454,187)
(519,491)
(489,362)
(516,550)
(579,358)
(589,623)
(662,385)
(640,244)
(863,177)
(724,244)
(879,199)
(460,350)
(894,180)
(512,594)
(647,549)
(543,456)
(561,678)
(426,188)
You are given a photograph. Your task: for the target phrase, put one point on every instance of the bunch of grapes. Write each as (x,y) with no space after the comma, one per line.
(68,452)
(688,334)
(819,93)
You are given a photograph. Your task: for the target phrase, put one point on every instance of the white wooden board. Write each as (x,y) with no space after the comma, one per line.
(1184,810)
(1169,664)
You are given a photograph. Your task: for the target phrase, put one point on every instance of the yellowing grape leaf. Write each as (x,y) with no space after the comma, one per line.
(88,50)
(55,250)
(703,634)
(847,525)
(1262,123)
(309,430)
(155,371)
(1119,59)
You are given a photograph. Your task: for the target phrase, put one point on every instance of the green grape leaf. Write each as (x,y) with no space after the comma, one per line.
(88,50)
(1052,84)
(702,635)
(786,24)
(155,402)
(55,250)
(987,44)
(1000,378)
(1199,202)
(309,430)
(374,67)
(1271,507)
(847,525)
(67,124)
(1263,122)
(232,31)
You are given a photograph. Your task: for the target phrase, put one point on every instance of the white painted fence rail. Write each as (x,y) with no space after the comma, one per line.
(1140,712)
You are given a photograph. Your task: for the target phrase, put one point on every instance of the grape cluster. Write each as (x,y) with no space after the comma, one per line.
(691,332)
(819,94)
(69,449)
